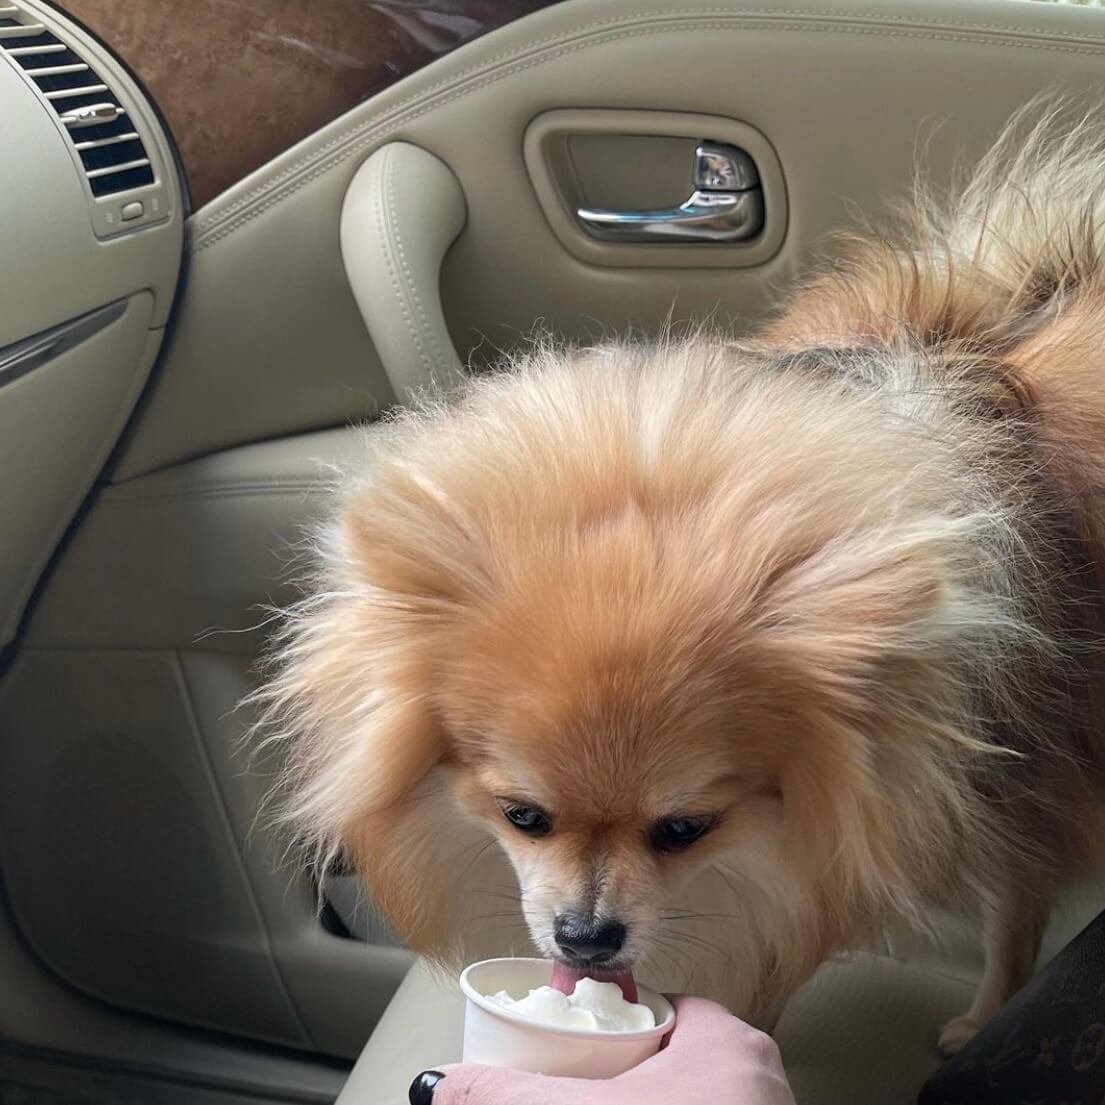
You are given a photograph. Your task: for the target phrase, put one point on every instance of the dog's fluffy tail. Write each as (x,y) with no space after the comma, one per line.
(1019,244)
(1023,283)
(1002,284)
(1024,288)
(1030,234)
(1027,232)
(1010,272)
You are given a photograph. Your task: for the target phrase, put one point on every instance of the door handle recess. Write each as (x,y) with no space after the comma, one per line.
(726,205)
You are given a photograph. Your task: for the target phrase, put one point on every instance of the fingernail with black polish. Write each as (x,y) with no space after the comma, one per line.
(422,1088)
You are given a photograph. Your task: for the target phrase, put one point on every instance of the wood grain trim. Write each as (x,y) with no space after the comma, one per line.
(240,81)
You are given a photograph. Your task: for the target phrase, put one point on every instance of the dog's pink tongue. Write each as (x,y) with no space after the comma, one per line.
(564,979)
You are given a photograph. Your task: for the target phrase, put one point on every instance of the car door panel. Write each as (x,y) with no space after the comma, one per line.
(269,340)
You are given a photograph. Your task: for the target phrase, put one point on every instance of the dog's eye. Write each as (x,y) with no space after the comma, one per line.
(527,819)
(679,832)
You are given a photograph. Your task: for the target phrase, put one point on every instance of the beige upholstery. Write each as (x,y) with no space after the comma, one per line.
(862,1032)
(403,210)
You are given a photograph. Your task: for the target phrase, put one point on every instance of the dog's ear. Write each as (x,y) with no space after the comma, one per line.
(437,876)
(371,779)
(834,619)
(354,664)
(365,759)
(345,713)
(413,542)
(862,636)
(350,704)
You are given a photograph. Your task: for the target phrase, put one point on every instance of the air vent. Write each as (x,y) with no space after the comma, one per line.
(110,149)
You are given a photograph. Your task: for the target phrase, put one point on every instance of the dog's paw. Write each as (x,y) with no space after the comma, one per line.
(956,1035)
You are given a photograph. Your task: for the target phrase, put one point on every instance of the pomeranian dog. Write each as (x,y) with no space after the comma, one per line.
(738,649)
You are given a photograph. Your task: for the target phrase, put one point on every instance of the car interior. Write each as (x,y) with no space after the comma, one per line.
(237,232)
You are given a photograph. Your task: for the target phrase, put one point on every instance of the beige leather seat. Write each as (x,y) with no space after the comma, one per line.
(861,1032)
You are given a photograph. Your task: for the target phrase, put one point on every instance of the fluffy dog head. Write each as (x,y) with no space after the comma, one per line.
(687,637)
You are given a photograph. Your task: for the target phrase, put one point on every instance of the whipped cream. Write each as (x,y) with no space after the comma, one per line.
(595,1005)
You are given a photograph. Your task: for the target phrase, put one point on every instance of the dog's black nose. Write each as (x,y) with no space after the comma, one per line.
(586,940)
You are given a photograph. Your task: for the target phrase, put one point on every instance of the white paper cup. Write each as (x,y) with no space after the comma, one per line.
(502,1038)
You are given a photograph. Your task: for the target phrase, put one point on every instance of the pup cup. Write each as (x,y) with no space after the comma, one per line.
(500,1037)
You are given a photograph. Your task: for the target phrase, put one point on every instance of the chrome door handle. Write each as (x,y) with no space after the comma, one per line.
(704,217)
(726,206)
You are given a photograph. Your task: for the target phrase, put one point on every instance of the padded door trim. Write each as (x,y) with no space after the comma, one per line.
(263,347)
(276,181)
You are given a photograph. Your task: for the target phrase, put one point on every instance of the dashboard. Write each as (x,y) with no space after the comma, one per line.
(92,241)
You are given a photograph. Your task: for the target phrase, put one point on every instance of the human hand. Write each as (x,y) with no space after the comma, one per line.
(709,1058)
